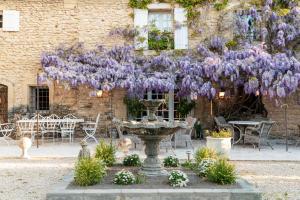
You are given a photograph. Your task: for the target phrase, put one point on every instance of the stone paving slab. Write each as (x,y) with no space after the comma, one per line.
(61,192)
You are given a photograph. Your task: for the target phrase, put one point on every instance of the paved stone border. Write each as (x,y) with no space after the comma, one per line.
(60,192)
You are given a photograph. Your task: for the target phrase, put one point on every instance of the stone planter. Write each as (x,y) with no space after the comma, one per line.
(221,145)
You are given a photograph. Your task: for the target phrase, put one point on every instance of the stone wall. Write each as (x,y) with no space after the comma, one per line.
(45,24)
(276,113)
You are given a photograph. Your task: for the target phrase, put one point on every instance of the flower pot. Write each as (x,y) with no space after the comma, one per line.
(221,145)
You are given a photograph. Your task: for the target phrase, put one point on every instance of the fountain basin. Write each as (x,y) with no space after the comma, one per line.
(152,131)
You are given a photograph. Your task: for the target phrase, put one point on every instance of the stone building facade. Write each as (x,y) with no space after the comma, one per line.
(45,24)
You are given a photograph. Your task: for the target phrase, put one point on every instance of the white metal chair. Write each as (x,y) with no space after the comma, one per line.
(90,129)
(50,126)
(26,128)
(40,125)
(69,116)
(185,135)
(67,128)
(262,133)
(5,131)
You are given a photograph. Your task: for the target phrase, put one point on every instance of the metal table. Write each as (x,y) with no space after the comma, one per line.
(241,126)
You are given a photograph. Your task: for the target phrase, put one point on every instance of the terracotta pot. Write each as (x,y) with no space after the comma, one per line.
(221,145)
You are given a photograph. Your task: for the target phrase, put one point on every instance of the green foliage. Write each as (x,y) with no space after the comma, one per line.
(257,3)
(189,165)
(221,134)
(231,44)
(124,178)
(185,107)
(192,3)
(140,178)
(221,6)
(204,153)
(132,160)
(89,171)
(134,106)
(160,40)
(106,152)
(141,4)
(222,172)
(171,161)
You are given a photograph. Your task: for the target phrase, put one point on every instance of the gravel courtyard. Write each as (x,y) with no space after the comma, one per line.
(31,179)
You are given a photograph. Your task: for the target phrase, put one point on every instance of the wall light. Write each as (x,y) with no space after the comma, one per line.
(257,93)
(99,93)
(221,94)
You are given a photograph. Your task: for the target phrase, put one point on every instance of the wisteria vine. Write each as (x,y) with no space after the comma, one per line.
(200,72)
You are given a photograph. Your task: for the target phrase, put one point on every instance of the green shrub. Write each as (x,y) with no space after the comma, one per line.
(171,161)
(222,172)
(89,171)
(124,178)
(106,152)
(132,160)
(189,165)
(205,152)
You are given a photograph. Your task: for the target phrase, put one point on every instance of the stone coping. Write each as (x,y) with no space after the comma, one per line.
(60,192)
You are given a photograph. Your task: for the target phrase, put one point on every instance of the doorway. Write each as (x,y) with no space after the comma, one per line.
(3,103)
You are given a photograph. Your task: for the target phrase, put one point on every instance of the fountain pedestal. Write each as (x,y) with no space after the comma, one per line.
(152,165)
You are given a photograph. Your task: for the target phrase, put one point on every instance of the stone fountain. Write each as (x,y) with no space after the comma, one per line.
(152,130)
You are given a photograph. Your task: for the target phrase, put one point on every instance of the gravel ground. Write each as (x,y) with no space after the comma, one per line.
(32,179)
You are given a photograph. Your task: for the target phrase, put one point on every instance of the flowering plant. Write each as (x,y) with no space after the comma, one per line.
(132,160)
(124,178)
(178,178)
(204,166)
(269,69)
(171,161)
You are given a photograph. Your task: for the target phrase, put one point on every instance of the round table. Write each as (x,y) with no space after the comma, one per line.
(241,126)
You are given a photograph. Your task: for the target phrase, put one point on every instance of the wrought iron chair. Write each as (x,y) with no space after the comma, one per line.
(40,125)
(26,128)
(67,128)
(167,143)
(90,129)
(50,126)
(222,124)
(185,135)
(260,133)
(5,131)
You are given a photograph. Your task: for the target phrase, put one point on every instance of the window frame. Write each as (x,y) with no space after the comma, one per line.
(44,98)
(1,19)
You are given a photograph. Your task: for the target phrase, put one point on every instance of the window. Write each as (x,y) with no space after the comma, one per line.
(162,20)
(39,98)
(167,29)
(1,19)
(164,110)
(160,31)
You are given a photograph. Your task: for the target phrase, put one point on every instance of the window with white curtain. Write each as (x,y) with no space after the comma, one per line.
(162,20)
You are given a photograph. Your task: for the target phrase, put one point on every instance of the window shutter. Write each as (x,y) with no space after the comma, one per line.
(140,23)
(181,32)
(11,20)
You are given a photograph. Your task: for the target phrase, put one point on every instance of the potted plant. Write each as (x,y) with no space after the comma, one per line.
(220,141)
